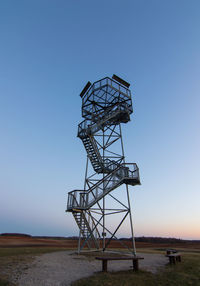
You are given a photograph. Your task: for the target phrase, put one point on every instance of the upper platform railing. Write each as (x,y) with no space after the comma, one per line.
(103,94)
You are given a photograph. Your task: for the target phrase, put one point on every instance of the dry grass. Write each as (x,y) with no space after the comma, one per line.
(186,273)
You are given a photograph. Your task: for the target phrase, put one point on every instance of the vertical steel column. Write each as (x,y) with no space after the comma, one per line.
(103,233)
(79,239)
(86,171)
(128,198)
(131,222)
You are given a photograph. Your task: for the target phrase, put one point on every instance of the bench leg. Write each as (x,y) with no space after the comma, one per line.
(178,258)
(104,265)
(135,265)
(172,260)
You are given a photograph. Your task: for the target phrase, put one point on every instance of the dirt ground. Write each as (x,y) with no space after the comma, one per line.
(63,267)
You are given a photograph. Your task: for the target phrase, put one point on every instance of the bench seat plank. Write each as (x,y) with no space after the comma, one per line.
(120,258)
(105,259)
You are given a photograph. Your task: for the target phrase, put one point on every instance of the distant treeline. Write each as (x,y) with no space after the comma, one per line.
(57,237)
(137,239)
(16,234)
(38,236)
(160,240)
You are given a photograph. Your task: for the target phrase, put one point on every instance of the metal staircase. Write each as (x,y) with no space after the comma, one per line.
(93,153)
(86,231)
(105,105)
(85,199)
(87,130)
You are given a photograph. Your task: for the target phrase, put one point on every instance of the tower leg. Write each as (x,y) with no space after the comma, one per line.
(128,198)
(79,242)
(131,222)
(103,234)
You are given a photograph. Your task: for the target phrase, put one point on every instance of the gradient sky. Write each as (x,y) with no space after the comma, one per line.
(49,49)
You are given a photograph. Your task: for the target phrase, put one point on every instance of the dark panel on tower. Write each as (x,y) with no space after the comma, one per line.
(120,80)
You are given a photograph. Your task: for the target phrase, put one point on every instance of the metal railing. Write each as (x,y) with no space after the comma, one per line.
(107,82)
(114,92)
(88,127)
(81,199)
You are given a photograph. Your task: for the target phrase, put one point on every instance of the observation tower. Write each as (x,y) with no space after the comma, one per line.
(106,105)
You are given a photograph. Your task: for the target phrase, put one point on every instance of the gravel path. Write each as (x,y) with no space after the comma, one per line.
(63,267)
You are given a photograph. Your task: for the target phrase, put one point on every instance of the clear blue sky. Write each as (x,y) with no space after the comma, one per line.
(48,51)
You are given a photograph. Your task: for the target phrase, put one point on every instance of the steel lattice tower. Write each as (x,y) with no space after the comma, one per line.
(106,104)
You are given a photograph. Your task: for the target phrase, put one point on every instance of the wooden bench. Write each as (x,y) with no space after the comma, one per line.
(170,251)
(133,258)
(173,257)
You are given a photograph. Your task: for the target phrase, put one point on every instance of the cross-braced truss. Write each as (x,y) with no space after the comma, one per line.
(105,105)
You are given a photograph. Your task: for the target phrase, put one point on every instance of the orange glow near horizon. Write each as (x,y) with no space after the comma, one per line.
(190,231)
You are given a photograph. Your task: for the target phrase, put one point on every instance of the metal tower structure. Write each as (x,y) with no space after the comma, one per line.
(106,104)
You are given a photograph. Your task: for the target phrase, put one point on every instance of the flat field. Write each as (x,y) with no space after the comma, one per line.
(16,253)
(20,241)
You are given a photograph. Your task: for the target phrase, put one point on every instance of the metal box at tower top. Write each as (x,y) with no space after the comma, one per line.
(104,96)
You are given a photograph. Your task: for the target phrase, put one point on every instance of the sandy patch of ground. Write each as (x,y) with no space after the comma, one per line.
(63,267)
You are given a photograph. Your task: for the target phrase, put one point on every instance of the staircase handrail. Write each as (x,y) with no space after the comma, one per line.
(91,127)
(84,194)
